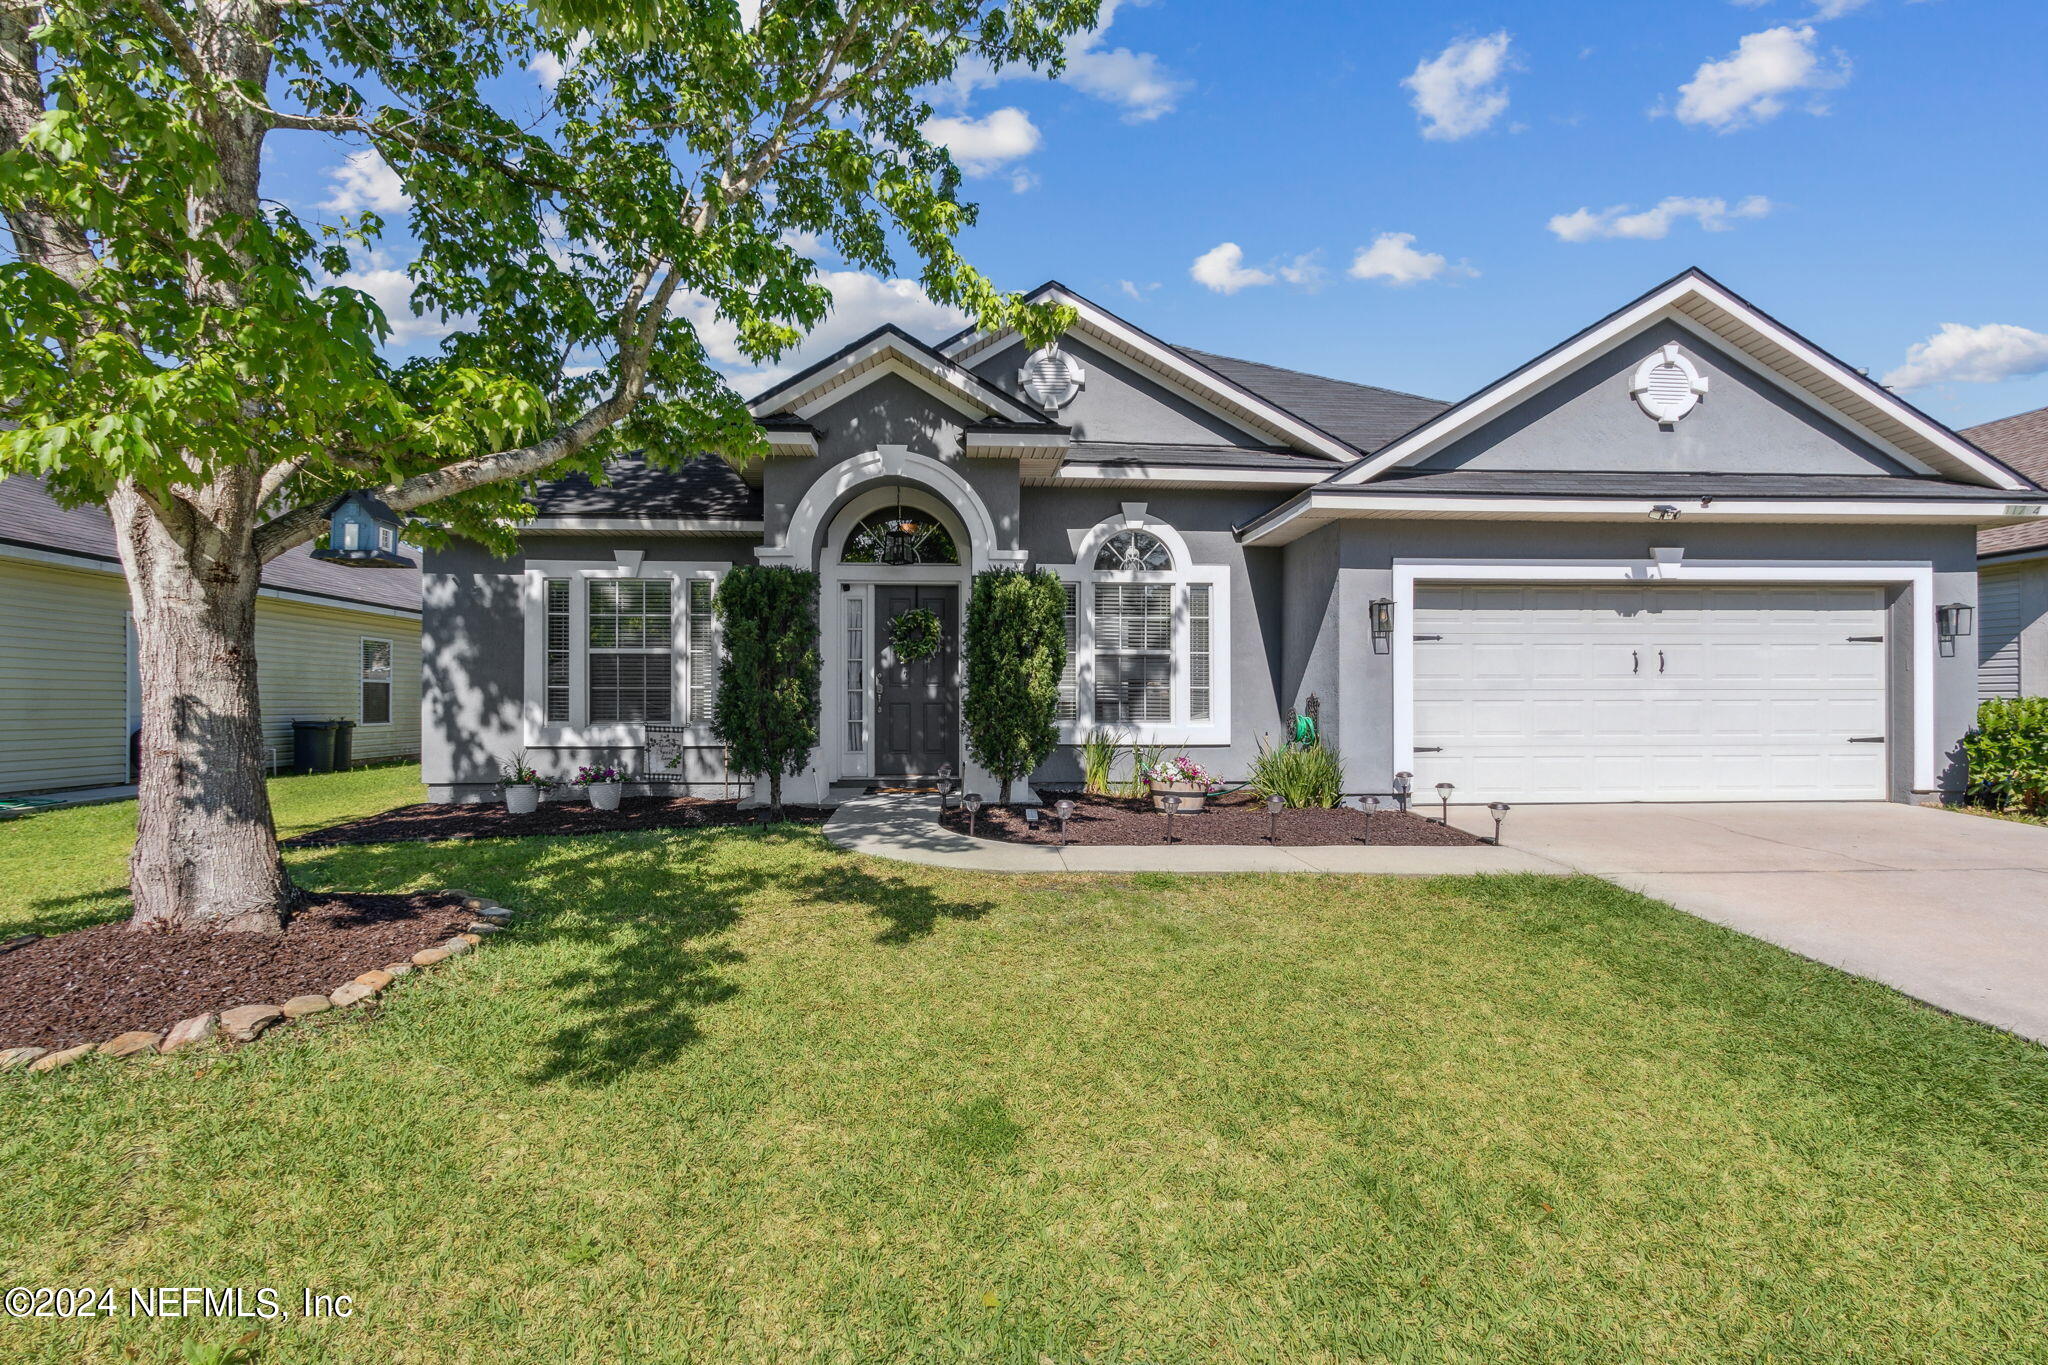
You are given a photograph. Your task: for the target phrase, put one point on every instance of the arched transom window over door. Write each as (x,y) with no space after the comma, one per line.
(899,536)
(1147,638)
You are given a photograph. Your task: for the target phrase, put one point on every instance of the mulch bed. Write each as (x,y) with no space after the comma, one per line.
(422,823)
(1234,818)
(91,984)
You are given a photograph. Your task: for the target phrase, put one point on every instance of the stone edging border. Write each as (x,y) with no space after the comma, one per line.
(247,1023)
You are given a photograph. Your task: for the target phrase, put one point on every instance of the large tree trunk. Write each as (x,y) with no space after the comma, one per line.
(205,850)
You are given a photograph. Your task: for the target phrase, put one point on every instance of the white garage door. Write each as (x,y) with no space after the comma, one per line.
(1627,693)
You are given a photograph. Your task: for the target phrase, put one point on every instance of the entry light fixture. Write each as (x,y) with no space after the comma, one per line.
(1953,619)
(1664,511)
(899,535)
(1382,617)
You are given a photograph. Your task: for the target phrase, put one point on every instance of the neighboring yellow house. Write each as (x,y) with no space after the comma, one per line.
(330,642)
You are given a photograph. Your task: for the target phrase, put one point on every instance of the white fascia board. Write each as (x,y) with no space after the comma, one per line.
(30,554)
(791,442)
(1012,442)
(1072,472)
(654,526)
(1196,382)
(1505,393)
(950,384)
(1287,523)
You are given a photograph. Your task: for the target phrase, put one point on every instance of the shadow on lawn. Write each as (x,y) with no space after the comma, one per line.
(649,920)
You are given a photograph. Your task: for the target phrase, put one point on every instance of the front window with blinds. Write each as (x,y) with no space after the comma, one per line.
(557,646)
(1198,651)
(1133,653)
(376,682)
(703,661)
(631,638)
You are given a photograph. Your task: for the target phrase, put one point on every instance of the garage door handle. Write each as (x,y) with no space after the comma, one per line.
(1866,739)
(1429,748)
(1635,661)
(1866,639)
(1660,661)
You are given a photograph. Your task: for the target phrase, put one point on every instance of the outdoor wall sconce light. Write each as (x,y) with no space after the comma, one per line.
(1369,805)
(1953,619)
(1065,811)
(1500,813)
(1172,804)
(1664,511)
(1382,617)
(1443,795)
(973,803)
(1274,805)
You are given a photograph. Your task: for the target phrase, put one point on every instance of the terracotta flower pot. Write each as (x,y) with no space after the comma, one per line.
(1191,796)
(522,800)
(605,795)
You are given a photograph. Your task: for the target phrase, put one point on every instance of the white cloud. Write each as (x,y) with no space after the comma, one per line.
(1835,9)
(1305,270)
(1134,291)
(860,303)
(983,145)
(392,289)
(1138,81)
(363,181)
(550,67)
(1959,354)
(1222,269)
(1392,257)
(1756,82)
(1458,92)
(1654,224)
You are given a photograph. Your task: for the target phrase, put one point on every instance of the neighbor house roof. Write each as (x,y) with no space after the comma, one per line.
(2021,441)
(32,519)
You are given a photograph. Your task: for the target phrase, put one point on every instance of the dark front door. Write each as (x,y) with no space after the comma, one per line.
(917,705)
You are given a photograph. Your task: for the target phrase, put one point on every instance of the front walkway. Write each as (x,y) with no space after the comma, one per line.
(906,828)
(1949,908)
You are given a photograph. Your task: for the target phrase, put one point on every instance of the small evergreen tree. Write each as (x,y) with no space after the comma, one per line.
(767,710)
(1016,650)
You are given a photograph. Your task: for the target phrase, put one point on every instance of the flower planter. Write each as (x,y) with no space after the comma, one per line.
(605,795)
(523,800)
(1193,796)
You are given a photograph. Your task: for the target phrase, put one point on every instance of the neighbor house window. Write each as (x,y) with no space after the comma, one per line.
(376,682)
(1144,629)
(631,635)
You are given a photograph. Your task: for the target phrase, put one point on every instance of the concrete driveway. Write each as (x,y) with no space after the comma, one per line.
(1949,908)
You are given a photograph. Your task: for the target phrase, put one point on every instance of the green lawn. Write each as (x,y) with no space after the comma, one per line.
(734,1096)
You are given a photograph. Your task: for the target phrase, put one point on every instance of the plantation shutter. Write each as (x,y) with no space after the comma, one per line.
(1070,690)
(1133,653)
(631,632)
(558,651)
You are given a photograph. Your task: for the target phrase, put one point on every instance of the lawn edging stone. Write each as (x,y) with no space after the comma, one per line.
(247,1023)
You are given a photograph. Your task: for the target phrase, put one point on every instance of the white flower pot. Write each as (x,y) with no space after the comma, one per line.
(522,800)
(605,795)
(1191,796)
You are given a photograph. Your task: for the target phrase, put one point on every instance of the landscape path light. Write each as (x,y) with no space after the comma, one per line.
(1065,810)
(1369,805)
(1274,805)
(1500,813)
(1443,794)
(1404,788)
(1172,804)
(973,803)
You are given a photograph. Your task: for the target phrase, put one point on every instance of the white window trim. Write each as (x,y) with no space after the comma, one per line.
(578,732)
(391,706)
(1915,575)
(1180,730)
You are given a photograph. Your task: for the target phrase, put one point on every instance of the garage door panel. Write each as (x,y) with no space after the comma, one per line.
(1552,692)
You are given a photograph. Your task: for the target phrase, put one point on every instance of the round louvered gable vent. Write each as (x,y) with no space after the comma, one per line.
(1666,386)
(1051,378)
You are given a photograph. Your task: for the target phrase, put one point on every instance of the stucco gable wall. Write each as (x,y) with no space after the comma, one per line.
(1122,403)
(1587,420)
(891,411)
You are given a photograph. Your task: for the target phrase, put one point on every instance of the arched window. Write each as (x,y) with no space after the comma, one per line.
(1134,552)
(1147,641)
(899,535)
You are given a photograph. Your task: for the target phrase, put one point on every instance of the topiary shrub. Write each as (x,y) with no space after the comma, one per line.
(2008,753)
(767,709)
(1016,649)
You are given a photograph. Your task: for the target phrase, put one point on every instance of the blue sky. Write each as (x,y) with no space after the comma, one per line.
(1425,196)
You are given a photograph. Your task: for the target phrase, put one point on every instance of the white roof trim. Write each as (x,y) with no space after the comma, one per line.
(886,354)
(1185,475)
(1818,377)
(1192,381)
(1312,509)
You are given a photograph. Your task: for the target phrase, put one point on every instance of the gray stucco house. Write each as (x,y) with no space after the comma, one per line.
(2012,571)
(1683,555)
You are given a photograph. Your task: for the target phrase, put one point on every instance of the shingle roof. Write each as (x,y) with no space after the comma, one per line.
(2022,442)
(30,516)
(1363,415)
(704,488)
